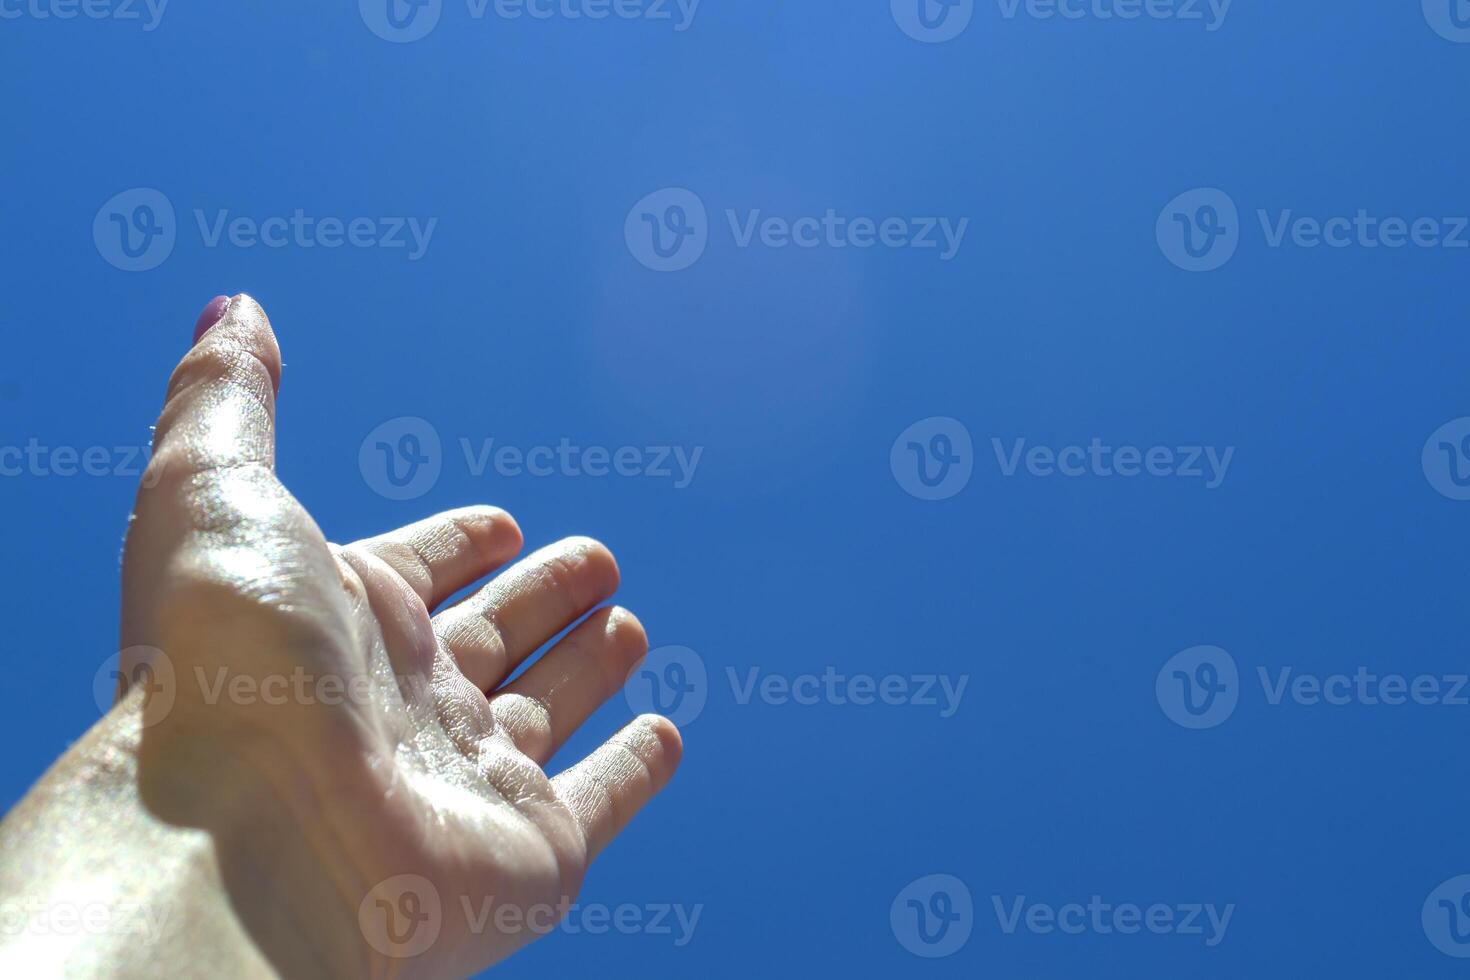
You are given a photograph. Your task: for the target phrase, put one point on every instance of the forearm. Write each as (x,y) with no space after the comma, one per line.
(94,883)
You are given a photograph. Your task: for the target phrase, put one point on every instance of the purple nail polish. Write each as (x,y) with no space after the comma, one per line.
(210,316)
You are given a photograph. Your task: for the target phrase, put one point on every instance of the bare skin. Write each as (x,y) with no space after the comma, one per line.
(312,773)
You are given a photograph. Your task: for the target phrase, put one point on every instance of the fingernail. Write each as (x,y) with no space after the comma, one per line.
(210,316)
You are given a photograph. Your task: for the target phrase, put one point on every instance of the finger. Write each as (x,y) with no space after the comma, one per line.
(492,631)
(607,788)
(221,403)
(442,554)
(545,705)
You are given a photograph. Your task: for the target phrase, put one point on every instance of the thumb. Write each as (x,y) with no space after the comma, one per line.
(221,404)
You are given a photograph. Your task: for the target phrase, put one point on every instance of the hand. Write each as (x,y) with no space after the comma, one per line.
(330,736)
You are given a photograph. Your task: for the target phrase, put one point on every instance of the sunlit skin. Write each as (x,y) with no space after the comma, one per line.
(251,830)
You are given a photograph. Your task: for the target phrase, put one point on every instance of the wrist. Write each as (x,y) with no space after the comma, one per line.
(280,835)
(143,845)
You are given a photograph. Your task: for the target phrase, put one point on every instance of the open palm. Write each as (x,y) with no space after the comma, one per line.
(391,775)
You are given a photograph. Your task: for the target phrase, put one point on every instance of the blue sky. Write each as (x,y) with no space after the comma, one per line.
(1011,358)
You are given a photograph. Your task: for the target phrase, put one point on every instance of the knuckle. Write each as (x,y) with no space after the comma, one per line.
(222,362)
(167,470)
